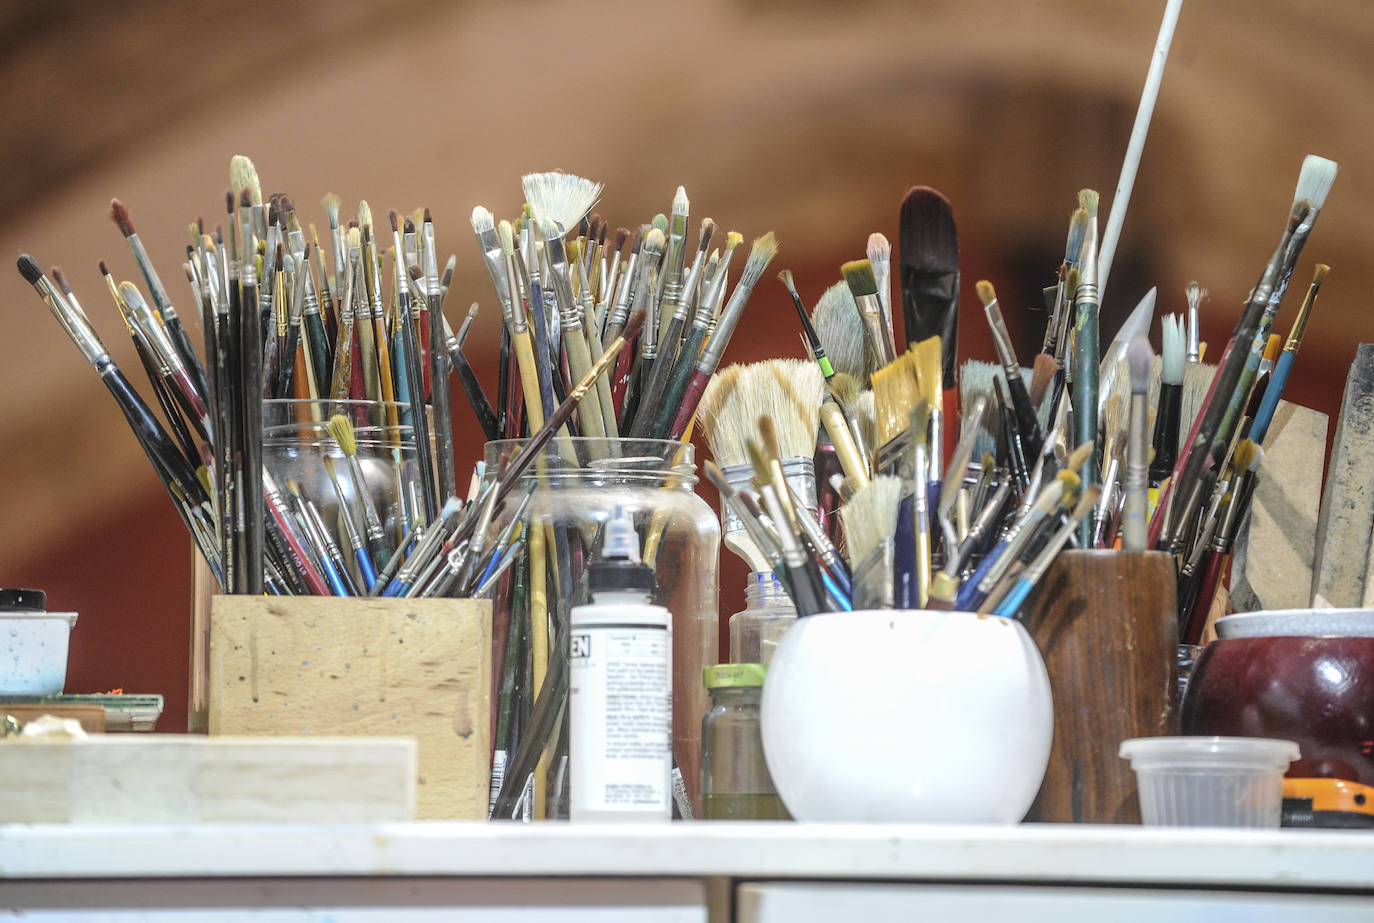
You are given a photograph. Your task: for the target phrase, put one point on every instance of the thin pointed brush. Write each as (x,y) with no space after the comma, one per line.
(180,341)
(1220,551)
(813,340)
(172,468)
(879,252)
(760,255)
(803,586)
(407,318)
(1114,438)
(1194,294)
(1027,422)
(250,469)
(630,364)
(1284,366)
(175,374)
(161,391)
(590,417)
(438,364)
(273,347)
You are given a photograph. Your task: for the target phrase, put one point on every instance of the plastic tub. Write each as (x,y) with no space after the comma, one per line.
(33,652)
(1210,781)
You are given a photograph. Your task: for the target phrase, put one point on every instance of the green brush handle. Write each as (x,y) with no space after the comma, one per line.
(677,382)
(1085,350)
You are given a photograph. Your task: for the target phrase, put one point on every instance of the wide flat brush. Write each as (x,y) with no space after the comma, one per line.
(929,274)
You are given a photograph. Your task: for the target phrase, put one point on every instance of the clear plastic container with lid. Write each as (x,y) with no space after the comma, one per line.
(768,612)
(735,784)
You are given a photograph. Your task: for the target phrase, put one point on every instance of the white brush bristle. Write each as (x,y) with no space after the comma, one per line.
(760,255)
(879,248)
(482,220)
(680,203)
(787,390)
(561,197)
(1175,349)
(841,329)
(1139,358)
(1314,182)
(870,516)
(975,380)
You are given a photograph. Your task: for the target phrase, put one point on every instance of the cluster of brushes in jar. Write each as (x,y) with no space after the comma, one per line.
(838,472)
(285,317)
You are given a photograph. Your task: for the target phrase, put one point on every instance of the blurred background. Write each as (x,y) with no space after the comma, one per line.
(811,119)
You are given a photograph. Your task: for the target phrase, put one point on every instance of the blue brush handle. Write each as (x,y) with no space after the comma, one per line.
(969,596)
(837,595)
(331,574)
(365,568)
(1272,393)
(1014,598)
(904,590)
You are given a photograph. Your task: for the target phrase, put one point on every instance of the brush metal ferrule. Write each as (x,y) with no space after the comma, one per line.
(798,473)
(495,260)
(74,322)
(166,354)
(874,578)
(725,324)
(155,288)
(1300,322)
(871,311)
(1001,339)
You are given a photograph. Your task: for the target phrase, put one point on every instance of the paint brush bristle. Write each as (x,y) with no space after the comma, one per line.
(870,516)
(120,213)
(1087,200)
(895,392)
(1174,341)
(1314,181)
(929,237)
(482,220)
(1042,375)
(560,197)
(341,428)
(841,331)
(858,275)
(29,269)
(331,205)
(1140,358)
(879,248)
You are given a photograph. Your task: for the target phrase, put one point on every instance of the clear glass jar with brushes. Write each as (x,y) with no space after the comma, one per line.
(768,612)
(577,486)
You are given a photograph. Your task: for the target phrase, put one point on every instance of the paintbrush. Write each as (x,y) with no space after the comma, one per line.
(1027,423)
(1114,436)
(870,518)
(1170,403)
(760,255)
(590,418)
(1284,366)
(650,254)
(928,378)
(650,410)
(1086,347)
(859,276)
(1056,331)
(1194,294)
(172,467)
(840,331)
(175,331)
(929,264)
(813,340)
(1208,430)
(408,320)
(880,255)
(563,198)
(1011,603)
(980,585)
(1135,515)
(249,519)
(341,429)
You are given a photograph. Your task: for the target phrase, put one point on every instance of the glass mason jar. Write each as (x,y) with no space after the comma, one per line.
(768,613)
(570,500)
(735,784)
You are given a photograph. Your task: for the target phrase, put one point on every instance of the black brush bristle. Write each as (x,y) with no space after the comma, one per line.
(929,236)
(29,269)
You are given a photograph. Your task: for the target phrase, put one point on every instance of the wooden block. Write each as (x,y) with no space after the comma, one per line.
(1106,623)
(306,666)
(1272,563)
(1347,510)
(181,778)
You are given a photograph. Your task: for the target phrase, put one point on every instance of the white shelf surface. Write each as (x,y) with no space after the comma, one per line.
(1086,855)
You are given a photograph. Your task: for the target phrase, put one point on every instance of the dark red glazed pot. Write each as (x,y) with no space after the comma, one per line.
(1317,691)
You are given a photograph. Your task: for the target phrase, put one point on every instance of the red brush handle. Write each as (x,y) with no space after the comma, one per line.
(950,405)
(690,398)
(312,577)
(1207,591)
(620,382)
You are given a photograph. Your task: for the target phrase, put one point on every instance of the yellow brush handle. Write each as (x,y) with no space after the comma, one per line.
(845,449)
(661,515)
(388,386)
(529,378)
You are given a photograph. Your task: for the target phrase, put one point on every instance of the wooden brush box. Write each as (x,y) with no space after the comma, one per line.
(324,666)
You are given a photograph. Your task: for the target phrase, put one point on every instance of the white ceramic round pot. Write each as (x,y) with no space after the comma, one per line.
(907,716)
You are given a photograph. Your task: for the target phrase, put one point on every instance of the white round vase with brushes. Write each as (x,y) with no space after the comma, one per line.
(907,717)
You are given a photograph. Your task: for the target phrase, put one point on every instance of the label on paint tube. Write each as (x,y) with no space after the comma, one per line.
(498,776)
